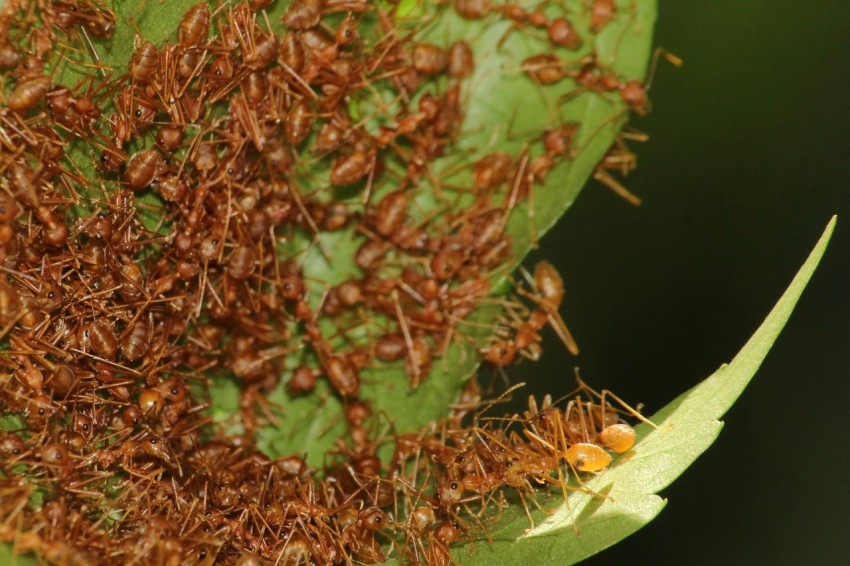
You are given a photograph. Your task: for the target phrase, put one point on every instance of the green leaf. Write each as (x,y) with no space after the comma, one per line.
(504,110)
(9,557)
(627,500)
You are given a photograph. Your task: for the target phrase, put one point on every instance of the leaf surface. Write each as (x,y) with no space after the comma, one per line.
(503,110)
(627,498)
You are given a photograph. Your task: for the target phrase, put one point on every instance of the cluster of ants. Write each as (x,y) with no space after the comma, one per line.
(224,502)
(219,162)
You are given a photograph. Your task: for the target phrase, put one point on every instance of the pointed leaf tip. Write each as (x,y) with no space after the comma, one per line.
(687,427)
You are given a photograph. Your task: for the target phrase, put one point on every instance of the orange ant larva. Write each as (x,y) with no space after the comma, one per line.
(587,457)
(617,438)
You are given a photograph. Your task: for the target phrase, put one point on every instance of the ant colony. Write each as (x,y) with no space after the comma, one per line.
(264,195)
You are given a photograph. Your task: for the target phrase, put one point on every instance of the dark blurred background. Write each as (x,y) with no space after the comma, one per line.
(747,161)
